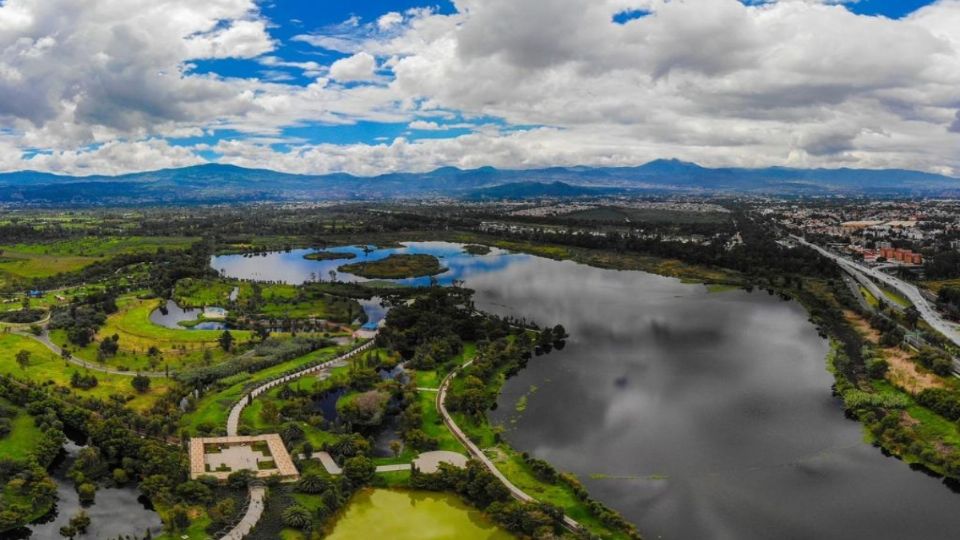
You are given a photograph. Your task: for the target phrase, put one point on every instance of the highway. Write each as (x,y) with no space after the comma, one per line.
(909,290)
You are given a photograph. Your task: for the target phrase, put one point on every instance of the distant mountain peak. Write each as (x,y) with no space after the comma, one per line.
(221,182)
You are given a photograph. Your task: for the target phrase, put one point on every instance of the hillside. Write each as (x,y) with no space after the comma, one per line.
(215,183)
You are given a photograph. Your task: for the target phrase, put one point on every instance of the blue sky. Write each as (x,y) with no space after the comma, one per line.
(369,87)
(293,18)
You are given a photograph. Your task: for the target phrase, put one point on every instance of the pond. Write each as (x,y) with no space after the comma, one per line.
(695,414)
(115,512)
(412,515)
(171,315)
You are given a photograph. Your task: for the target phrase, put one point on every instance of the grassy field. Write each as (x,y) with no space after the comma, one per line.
(137,334)
(895,297)
(19,443)
(50,258)
(397,266)
(44,366)
(649,215)
(869,297)
(195,293)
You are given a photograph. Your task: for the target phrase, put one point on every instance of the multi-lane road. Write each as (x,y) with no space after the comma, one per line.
(909,290)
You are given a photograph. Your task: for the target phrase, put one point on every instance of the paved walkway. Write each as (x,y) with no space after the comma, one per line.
(427,462)
(233,421)
(44,338)
(478,454)
(249,520)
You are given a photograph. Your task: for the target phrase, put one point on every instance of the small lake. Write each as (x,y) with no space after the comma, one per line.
(175,315)
(695,414)
(412,515)
(115,512)
(291,267)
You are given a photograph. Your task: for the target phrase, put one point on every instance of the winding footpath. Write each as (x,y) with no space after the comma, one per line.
(258,493)
(478,454)
(44,338)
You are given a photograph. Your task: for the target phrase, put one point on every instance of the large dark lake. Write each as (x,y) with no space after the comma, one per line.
(695,414)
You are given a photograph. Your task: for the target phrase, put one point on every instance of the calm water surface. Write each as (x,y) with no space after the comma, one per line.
(412,515)
(696,415)
(115,512)
(291,267)
(175,314)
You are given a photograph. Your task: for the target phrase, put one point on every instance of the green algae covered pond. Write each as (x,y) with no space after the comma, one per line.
(412,515)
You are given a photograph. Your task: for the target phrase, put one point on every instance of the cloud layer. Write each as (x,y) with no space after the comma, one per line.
(111,86)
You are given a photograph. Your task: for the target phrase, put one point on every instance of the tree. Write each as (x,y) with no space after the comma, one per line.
(912,316)
(269,412)
(223,511)
(262,331)
(296,517)
(87,492)
(226,340)
(140,383)
(359,470)
(877,367)
(194,492)
(239,479)
(396,447)
(23,358)
(366,409)
(312,482)
(179,518)
(80,522)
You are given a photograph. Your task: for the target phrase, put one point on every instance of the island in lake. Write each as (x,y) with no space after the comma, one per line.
(329,255)
(397,266)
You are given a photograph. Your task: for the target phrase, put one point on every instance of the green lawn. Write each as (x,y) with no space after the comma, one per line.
(433,425)
(192,292)
(20,442)
(45,366)
(869,297)
(178,347)
(896,297)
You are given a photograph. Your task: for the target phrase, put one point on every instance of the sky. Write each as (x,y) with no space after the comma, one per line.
(369,87)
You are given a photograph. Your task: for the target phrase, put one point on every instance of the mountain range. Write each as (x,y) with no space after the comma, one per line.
(217,183)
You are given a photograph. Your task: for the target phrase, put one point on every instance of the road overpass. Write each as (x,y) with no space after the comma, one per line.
(909,290)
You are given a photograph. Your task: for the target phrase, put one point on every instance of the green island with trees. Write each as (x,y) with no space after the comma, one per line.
(397,266)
